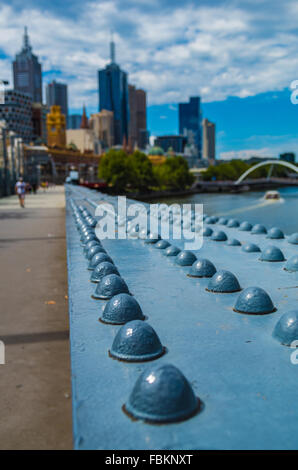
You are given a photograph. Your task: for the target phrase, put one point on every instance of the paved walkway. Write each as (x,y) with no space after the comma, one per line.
(35,405)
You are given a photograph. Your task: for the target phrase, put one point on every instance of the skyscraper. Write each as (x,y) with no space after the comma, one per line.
(102,125)
(16,111)
(56,94)
(27,72)
(137,117)
(208,139)
(190,121)
(113,96)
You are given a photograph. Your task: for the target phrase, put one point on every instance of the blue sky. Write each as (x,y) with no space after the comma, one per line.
(239,56)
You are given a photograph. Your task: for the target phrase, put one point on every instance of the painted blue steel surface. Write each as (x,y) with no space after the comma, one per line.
(242,374)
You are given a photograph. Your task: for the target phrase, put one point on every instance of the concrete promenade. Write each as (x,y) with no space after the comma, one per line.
(35,389)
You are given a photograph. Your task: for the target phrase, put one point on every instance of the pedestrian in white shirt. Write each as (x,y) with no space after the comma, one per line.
(20,189)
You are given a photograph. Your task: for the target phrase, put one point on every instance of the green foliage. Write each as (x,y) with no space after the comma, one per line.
(114,170)
(135,172)
(235,168)
(141,172)
(173,174)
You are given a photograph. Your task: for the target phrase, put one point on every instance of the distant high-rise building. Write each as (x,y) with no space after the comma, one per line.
(74,121)
(39,121)
(102,125)
(16,111)
(208,139)
(113,96)
(56,127)
(190,118)
(27,72)
(175,143)
(137,117)
(56,94)
(287,157)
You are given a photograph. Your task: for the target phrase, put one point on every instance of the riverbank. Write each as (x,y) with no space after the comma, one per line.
(201,187)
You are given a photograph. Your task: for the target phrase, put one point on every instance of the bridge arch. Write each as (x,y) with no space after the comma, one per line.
(267,162)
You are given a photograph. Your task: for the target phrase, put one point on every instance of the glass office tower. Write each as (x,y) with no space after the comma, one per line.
(113,96)
(190,121)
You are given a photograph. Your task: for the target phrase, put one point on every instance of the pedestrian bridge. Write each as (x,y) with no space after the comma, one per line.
(219,374)
(267,162)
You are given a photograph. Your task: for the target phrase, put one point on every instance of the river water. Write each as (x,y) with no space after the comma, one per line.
(249,206)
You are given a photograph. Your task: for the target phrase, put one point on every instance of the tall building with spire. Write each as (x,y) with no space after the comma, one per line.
(113,96)
(27,71)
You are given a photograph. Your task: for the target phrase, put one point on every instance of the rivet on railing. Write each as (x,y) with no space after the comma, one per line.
(292,264)
(258,229)
(136,341)
(98,258)
(275,233)
(250,248)
(272,253)
(110,285)
(255,301)
(202,268)
(233,242)
(103,269)
(121,309)
(286,329)
(185,258)
(219,236)
(223,282)
(162,394)
(293,239)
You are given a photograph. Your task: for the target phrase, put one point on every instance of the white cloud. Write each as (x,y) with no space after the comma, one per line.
(173,52)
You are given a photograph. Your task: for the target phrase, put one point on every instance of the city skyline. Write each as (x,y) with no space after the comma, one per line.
(228,50)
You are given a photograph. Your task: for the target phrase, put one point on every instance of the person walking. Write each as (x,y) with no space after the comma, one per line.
(20,189)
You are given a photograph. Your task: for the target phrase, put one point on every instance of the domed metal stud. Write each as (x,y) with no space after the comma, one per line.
(172,251)
(103,269)
(110,285)
(223,282)
(272,253)
(223,221)
(162,394)
(233,242)
(136,341)
(293,239)
(152,238)
(143,234)
(254,301)
(93,250)
(121,309)
(250,248)
(162,245)
(292,264)
(207,232)
(185,258)
(286,329)
(90,244)
(219,236)
(210,220)
(202,268)
(275,233)
(245,227)
(98,258)
(88,238)
(258,229)
(233,223)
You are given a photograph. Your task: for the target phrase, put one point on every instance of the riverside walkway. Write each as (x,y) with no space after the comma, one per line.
(35,392)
